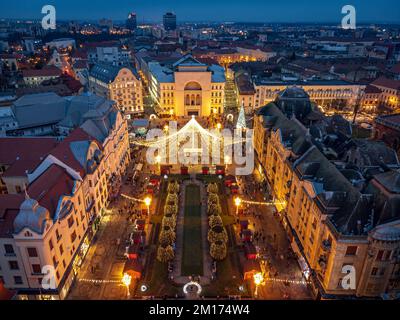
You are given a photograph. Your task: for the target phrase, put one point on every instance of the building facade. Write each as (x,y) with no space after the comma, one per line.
(333,227)
(327,94)
(46,232)
(187,87)
(120,84)
(169,21)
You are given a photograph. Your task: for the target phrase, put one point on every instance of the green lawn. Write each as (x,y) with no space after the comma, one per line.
(192,256)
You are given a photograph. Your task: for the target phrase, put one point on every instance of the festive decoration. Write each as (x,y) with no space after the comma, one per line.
(169,221)
(241,123)
(213,199)
(218,250)
(214,221)
(214,209)
(165,254)
(171,209)
(212,188)
(217,233)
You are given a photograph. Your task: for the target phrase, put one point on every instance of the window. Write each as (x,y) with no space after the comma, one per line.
(374,271)
(388,254)
(73,236)
(61,249)
(13,265)
(55,262)
(51,245)
(58,236)
(32,252)
(351,251)
(9,249)
(70,221)
(17,280)
(36,269)
(379,256)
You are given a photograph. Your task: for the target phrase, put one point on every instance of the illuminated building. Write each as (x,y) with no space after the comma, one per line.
(120,84)
(68,189)
(330,93)
(187,87)
(333,227)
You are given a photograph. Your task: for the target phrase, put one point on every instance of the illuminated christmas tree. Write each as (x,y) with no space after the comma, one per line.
(241,123)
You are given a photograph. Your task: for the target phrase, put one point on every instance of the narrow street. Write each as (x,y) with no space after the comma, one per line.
(274,247)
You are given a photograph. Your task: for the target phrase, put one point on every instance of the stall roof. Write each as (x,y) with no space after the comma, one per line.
(140,123)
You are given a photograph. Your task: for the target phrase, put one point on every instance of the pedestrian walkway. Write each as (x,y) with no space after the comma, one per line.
(177,271)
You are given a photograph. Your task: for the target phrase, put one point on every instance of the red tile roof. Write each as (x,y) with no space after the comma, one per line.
(24,154)
(49,71)
(372,89)
(50,186)
(9,208)
(64,153)
(387,83)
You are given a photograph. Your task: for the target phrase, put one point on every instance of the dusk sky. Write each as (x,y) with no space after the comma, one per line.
(209,10)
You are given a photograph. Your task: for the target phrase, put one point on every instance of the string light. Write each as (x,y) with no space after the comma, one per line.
(191,127)
(270,203)
(132,198)
(300,282)
(98,281)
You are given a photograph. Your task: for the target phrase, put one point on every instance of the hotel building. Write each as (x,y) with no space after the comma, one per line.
(120,84)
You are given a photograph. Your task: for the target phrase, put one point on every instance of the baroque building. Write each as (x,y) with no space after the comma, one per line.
(334,224)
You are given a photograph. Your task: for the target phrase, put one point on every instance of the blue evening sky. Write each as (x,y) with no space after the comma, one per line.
(208,10)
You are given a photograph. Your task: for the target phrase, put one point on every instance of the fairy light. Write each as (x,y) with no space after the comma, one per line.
(98,281)
(190,128)
(299,282)
(268,203)
(133,199)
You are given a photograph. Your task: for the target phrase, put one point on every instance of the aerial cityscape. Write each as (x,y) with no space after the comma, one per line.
(205,151)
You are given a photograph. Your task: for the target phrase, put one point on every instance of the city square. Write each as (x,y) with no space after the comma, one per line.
(178,156)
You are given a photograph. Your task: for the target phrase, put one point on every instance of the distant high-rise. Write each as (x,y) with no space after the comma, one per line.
(131,22)
(169,21)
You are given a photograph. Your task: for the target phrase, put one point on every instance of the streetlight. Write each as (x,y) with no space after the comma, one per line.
(126,280)
(258,280)
(158,162)
(147,201)
(238,202)
(219,126)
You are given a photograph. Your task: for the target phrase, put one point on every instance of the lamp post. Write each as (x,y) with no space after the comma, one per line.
(126,280)
(238,202)
(258,280)
(158,162)
(147,201)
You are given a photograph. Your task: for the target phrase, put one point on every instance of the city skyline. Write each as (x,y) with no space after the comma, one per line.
(222,11)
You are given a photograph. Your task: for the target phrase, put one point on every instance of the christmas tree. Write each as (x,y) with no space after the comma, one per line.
(241,123)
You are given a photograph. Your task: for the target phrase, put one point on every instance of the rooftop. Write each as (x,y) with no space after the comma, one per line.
(22,155)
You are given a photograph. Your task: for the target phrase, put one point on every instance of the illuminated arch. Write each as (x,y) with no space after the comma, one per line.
(193,86)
